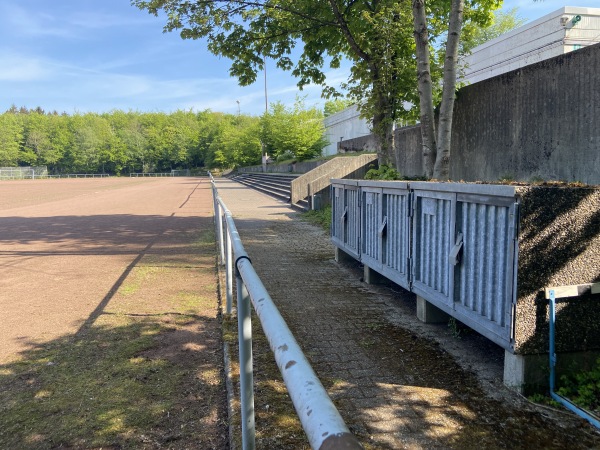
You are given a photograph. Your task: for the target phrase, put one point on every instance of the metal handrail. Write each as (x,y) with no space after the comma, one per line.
(320,420)
(551,295)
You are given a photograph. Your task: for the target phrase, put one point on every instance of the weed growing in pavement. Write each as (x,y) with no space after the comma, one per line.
(454,328)
(320,217)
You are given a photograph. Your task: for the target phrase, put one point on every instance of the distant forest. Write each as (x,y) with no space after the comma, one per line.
(121,142)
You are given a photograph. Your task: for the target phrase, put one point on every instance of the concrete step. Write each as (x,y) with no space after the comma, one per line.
(275,185)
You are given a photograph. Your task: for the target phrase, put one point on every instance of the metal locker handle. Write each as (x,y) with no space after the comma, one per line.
(383,227)
(454,257)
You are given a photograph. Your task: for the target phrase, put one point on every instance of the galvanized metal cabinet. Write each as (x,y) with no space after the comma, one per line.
(484,277)
(345,224)
(464,253)
(433,230)
(385,229)
(453,244)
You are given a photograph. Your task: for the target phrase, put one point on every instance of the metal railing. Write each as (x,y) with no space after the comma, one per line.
(80,175)
(320,420)
(552,294)
(150,174)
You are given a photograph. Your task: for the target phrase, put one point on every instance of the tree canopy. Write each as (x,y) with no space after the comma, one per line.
(502,22)
(124,142)
(307,37)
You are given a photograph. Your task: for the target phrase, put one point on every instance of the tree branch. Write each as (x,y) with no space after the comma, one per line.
(343,25)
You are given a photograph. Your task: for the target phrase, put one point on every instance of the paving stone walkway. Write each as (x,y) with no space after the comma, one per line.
(398,383)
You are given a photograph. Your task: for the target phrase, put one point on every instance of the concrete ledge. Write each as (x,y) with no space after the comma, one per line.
(428,313)
(529,374)
(372,277)
(342,257)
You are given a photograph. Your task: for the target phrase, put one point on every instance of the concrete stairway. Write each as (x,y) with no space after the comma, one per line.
(273,184)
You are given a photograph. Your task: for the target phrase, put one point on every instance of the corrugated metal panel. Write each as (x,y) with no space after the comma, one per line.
(483,279)
(396,239)
(337,208)
(433,223)
(452,244)
(370,223)
(352,222)
(345,224)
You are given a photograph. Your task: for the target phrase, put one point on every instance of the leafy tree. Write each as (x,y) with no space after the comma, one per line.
(36,142)
(131,133)
(379,37)
(295,130)
(502,23)
(237,142)
(373,35)
(90,143)
(60,138)
(336,105)
(11,135)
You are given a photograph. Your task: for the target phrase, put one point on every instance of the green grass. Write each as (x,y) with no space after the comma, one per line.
(277,423)
(88,391)
(321,217)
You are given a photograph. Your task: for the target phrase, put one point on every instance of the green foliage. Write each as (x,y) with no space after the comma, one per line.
(11,136)
(543,400)
(320,217)
(122,142)
(336,105)
(583,388)
(298,131)
(500,23)
(383,173)
(308,38)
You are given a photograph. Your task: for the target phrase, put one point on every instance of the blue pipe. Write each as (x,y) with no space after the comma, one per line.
(563,401)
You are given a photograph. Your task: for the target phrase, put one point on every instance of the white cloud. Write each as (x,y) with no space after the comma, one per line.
(23,22)
(103,20)
(17,68)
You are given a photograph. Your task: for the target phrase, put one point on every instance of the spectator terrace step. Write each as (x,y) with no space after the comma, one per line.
(275,185)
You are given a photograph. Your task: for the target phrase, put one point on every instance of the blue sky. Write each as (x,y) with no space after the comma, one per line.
(99,55)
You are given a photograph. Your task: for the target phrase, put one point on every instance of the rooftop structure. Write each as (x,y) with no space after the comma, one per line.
(562,31)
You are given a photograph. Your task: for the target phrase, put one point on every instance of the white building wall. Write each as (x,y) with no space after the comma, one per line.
(343,125)
(544,38)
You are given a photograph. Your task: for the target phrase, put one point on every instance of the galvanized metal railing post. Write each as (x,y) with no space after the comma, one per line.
(229,272)
(246,371)
(551,350)
(221,243)
(552,381)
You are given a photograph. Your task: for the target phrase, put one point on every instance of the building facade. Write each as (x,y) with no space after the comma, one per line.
(562,31)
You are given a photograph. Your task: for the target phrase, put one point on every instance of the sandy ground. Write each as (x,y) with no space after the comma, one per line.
(67,245)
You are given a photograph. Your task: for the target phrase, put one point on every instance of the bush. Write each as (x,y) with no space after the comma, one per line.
(583,388)
(383,173)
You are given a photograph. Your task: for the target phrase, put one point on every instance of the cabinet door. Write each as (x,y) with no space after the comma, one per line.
(433,231)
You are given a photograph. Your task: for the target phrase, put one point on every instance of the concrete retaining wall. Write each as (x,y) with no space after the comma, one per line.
(538,122)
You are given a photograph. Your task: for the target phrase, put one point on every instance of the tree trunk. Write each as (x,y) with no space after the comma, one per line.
(424,87)
(442,163)
(383,128)
(384,134)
